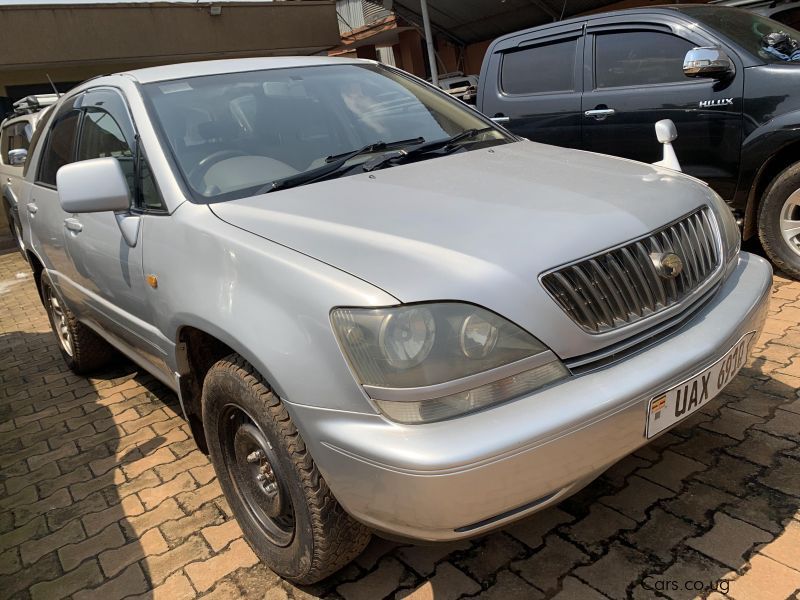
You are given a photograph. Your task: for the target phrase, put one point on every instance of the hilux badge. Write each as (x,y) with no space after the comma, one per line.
(668,264)
(713,103)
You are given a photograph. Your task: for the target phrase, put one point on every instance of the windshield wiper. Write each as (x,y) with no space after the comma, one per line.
(378,146)
(445,145)
(450,142)
(335,165)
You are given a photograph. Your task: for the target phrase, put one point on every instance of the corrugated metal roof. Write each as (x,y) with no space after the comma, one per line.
(471,21)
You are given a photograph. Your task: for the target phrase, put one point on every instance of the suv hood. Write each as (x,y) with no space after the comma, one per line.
(477,226)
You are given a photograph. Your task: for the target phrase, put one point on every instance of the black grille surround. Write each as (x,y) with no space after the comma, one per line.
(621,286)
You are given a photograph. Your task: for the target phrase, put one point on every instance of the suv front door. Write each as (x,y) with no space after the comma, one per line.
(637,79)
(106,270)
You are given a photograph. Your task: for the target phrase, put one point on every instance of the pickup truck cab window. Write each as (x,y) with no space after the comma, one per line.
(540,69)
(639,58)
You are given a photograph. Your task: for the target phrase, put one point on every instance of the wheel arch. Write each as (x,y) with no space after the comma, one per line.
(197,349)
(788,155)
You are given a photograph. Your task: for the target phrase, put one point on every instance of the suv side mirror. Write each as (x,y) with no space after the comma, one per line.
(95,185)
(666,133)
(708,62)
(17,158)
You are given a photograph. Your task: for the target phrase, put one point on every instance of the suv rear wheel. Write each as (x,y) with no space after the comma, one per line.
(282,503)
(83,350)
(779,221)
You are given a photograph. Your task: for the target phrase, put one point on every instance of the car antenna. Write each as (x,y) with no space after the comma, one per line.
(52,85)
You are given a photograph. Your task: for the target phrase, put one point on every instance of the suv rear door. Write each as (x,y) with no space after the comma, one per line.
(636,78)
(533,84)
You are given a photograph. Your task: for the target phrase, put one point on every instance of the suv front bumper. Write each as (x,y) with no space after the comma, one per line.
(465,476)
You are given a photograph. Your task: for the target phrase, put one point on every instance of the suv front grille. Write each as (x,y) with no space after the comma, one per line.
(622,286)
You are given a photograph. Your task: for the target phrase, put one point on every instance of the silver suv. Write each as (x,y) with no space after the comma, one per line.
(16,132)
(379,310)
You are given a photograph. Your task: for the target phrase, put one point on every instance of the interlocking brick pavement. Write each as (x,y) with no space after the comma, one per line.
(103,494)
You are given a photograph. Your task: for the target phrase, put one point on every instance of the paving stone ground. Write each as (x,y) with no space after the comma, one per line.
(103,494)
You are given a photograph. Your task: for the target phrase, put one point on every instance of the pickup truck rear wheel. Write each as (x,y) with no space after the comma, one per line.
(83,350)
(779,221)
(282,503)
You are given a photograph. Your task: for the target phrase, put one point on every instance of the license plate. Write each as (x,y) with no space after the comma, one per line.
(679,402)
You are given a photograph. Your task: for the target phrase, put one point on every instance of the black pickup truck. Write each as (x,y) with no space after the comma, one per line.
(728,78)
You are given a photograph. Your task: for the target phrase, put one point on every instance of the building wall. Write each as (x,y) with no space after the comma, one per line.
(75,42)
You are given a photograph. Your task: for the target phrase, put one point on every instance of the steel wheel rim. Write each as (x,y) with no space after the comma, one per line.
(58,317)
(270,508)
(790,222)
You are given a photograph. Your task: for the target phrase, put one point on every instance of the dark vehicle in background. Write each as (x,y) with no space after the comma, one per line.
(599,82)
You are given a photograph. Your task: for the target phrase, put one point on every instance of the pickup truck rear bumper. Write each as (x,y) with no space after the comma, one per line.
(463,477)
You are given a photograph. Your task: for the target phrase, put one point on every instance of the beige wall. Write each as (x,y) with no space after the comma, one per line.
(71,43)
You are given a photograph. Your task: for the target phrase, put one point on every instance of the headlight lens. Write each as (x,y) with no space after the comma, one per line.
(478,337)
(731,236)
(406,337)
(428,362)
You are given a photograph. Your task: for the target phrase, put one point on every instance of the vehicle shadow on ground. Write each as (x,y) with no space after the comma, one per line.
(73,452)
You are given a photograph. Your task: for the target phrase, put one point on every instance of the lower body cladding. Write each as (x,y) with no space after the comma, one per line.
(463,477)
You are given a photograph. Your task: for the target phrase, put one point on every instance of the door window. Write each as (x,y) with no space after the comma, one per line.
(639,58)
(107,131)
(540,69)
(101,137)
(60,146)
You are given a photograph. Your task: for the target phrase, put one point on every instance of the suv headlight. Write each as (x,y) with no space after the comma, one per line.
(428,362)
(729,230)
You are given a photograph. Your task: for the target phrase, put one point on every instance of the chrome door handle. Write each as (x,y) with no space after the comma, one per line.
(73,224)
(32,208)
(500,119)
(600,112)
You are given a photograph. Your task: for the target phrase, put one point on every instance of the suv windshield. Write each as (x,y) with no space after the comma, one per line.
(758,35)
(234,134)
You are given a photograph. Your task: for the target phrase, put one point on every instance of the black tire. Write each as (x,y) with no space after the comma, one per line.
(773,205)
(83,350)
(298,530)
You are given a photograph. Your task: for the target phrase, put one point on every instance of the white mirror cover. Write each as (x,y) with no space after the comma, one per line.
(666,131)
(95,185)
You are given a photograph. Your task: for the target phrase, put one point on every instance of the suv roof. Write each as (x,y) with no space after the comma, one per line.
(233,65)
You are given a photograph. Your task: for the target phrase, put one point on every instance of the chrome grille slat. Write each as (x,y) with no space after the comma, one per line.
(623,286)
(643,289)
(629,294)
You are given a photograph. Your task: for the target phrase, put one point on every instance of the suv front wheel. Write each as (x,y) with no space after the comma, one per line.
(779,221)
(280,499)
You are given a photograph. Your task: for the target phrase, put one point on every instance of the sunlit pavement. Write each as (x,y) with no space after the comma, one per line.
(103,494)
